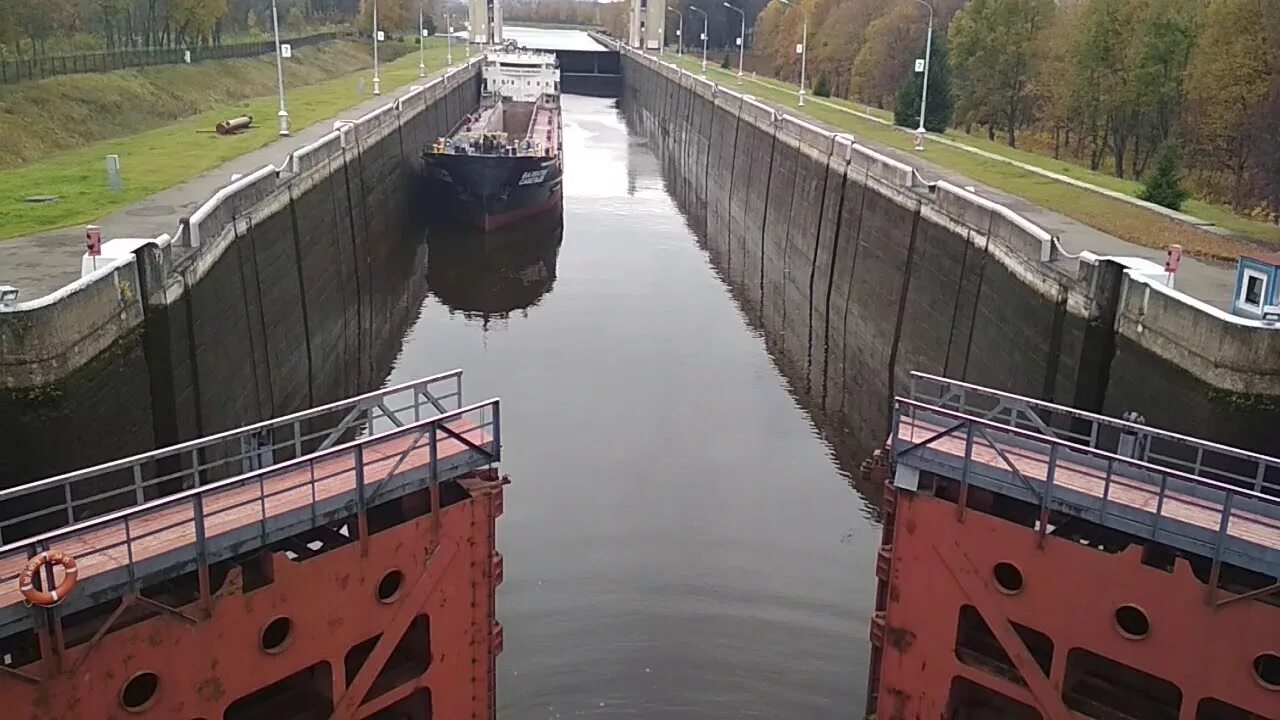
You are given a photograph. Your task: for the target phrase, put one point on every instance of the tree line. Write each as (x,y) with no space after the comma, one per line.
(35,28)
(1110,84)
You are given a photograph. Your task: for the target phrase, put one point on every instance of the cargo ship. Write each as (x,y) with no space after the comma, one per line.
(1038,561)
(502,163)
(336,563)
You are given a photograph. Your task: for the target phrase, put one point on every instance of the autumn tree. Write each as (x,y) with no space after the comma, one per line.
(1228,84)
(393,16)
(887,54)
(993,55)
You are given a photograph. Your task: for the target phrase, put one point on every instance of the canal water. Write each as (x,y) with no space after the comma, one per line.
(680,541)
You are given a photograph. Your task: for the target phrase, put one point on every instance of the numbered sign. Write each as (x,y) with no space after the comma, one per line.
(382,37)
(703,36)
(426,32)
(919,64)
(799,48)
(677,33)
(739,41)
(286,50)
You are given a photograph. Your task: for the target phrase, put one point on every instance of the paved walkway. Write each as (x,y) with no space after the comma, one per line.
(1210,282)
(39,264)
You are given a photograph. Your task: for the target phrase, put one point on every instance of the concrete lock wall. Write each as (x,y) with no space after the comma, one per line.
(857,271)
(289,288)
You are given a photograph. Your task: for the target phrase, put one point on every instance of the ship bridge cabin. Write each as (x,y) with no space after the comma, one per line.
(520,75)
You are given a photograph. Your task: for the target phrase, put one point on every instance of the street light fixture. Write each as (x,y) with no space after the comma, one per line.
(742,39)
(422,43)
(679,32)
(283,114)
(704,37)
(924,88)
(448,41)
(377,82)
(804,45)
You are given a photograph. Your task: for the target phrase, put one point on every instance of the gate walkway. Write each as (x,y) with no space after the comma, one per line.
(243,490)
(1204,498)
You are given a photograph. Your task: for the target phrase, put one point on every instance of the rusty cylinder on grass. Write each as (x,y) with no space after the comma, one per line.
(234,125)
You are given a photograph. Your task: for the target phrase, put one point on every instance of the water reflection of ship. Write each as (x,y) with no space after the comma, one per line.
(489,276)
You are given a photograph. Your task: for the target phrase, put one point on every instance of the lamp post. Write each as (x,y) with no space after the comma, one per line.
(924,87)
(679,32)
(283,114)
(377,81)
(742,39)
(448,40)
(704,37)
(804,45)
(422,43)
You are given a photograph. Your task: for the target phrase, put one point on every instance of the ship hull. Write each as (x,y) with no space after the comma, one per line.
(489,192)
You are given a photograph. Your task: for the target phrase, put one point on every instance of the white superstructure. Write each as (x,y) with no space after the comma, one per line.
(520,75)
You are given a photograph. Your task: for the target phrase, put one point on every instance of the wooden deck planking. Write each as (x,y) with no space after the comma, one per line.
(103,549)
(1199,512)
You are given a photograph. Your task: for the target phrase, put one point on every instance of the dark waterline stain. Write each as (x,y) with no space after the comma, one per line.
(679,539)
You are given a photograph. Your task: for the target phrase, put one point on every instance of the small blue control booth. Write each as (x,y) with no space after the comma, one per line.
(1257,285)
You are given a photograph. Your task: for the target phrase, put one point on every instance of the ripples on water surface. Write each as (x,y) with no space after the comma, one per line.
(679,541)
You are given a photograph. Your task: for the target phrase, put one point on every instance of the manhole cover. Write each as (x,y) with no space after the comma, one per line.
(41,199)
(152,211)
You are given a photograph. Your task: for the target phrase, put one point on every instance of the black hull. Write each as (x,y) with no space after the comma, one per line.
(489,192)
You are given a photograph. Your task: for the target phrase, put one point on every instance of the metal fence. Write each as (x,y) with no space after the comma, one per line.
(39,68)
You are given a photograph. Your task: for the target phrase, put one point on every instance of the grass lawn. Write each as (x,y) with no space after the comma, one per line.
(1112,216)
(158,159)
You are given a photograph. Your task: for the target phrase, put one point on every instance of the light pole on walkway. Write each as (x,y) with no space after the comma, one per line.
(377,81)
(804,45)
(283,114)
(448,39)
(679,32)
(742,39)
(704,37)
(928,50)
(422,43)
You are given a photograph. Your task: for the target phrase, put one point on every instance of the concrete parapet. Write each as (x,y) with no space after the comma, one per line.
(759,113)
(1228,352)
(995,220)
(809,134)
(310,156)
(208,221)
(44,340)
(880,167)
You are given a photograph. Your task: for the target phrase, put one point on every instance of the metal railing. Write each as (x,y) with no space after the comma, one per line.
(201,525)
(16,70)
(72,497)
(1202,458)
(1200,514)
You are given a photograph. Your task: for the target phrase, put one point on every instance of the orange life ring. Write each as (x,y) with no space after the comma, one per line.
(47,598)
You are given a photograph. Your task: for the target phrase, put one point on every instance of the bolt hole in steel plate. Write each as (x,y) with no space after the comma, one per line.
(389,586)
(140,692)
(1266,670)
(276,635)
(1008,578)
(1132,622)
